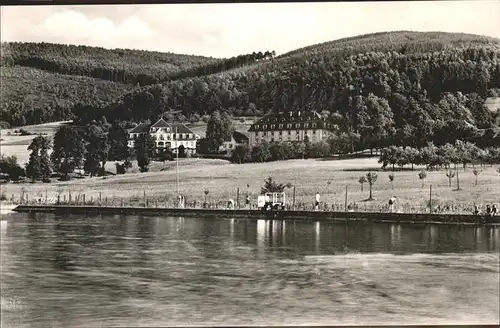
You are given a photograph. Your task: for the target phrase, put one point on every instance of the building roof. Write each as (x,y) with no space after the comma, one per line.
(161,123)
(297,119)
(180,128)
(140,128)
(239,137)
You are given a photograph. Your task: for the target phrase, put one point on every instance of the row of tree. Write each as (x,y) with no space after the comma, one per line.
(432,156)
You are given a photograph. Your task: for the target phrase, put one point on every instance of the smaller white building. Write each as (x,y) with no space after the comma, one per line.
(168,136)
(237,139)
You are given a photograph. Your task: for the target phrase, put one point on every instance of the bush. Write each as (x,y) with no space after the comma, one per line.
(3,196)
(24,132)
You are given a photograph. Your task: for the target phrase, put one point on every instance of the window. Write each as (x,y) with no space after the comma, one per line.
(281,126)
(273,127)
(289,126)
(265,126)
(314,131)
(281,132)
(289,132)
(306,125)
(314,125)
(297,125)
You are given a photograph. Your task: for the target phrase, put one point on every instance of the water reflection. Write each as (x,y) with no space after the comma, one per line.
(155,271)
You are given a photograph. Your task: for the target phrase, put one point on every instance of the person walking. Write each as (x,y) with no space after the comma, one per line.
(392,204)
(316,203)
(247,202)
(494,210)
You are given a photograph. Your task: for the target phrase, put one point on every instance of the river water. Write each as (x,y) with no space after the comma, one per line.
(103,271)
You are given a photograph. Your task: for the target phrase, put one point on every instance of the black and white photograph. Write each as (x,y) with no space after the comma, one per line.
(250,164)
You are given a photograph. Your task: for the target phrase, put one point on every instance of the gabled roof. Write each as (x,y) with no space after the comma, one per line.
(161,123)
(180,128)
(140,128)
(239,137)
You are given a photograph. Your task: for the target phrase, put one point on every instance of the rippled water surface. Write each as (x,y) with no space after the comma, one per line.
(148,271)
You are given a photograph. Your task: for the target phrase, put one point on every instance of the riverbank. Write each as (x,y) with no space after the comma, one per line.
(409,218)
(217,181)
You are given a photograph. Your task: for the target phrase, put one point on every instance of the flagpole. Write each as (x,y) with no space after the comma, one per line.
(177,162)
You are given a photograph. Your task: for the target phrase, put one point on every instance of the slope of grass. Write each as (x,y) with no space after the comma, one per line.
(222,179)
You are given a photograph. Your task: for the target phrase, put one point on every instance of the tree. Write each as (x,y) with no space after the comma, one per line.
(450,175)
(97,150)
(272,186)
(144,147)
(476,172)
(371,178)
(260,152)
(38,167)
(240,154)
(9,165)
(219,129)
(422,175)
(361,181)
(118,143)
(391,178)
(69,150)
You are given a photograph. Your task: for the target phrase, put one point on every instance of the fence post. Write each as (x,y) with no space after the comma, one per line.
(144,195)
(84,203)
(100,198)
(293,198)
(69,197)
(238,197)
(430,198)
(345,201)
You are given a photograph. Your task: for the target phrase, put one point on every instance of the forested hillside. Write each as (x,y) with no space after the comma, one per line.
(33,96)
(34,74)
(411,86)
(118,65)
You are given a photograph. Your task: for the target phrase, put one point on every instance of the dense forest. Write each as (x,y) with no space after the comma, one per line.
(43,82)
(33,96)
(403,88)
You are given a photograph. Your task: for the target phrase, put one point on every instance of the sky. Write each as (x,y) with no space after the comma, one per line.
(225,30)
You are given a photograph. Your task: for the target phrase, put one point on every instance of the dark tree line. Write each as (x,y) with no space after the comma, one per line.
(432,156)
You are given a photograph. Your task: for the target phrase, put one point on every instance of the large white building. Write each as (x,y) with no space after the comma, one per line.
(289,126)
(167,136)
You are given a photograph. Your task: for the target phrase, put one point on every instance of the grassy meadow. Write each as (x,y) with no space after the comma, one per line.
(328,177)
